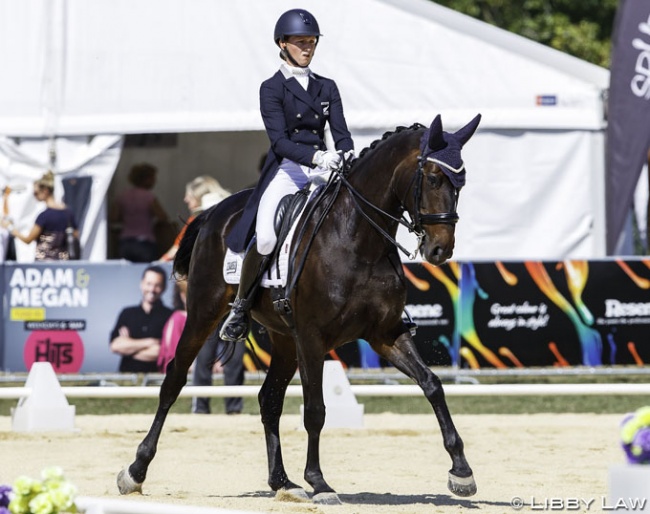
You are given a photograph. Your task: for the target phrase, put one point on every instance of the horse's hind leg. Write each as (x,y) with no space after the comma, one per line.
(271,400)
(203,316)
(405,357)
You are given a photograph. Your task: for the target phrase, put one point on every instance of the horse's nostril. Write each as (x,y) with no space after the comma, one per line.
(437,255)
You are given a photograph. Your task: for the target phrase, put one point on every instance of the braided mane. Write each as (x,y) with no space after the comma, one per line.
(386,135)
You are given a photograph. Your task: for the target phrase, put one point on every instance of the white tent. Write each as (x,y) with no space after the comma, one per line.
(114,67)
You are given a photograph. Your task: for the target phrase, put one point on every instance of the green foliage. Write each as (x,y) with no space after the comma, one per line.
(582,29)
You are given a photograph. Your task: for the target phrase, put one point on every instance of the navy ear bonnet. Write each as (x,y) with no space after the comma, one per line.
(444,148)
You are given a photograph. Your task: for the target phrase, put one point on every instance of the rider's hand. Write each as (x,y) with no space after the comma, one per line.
(349,156)
(327,160)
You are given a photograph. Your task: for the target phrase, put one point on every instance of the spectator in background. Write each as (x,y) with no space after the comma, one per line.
(206,362)
(174,327)
(7,241)
(138,209)
(200,194)
(49,230)
(138,330)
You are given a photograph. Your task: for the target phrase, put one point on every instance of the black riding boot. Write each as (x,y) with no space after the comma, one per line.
(237,324)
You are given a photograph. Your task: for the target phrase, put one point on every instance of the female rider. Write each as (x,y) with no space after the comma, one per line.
(295,104)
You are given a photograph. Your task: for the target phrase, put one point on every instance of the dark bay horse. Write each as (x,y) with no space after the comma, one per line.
(351,286)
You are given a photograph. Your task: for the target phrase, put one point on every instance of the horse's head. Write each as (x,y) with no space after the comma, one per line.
(439,177)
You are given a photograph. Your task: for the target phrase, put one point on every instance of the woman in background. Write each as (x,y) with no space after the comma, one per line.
(138,209)
(51,225)
(201,193)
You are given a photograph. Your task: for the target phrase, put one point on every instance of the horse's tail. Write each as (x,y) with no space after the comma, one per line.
(184,253)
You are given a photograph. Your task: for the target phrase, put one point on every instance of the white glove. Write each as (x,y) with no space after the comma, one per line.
(349,156)
(327,160)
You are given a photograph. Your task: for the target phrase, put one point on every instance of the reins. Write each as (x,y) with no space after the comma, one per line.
(317,201)
(356,196)
(416,225)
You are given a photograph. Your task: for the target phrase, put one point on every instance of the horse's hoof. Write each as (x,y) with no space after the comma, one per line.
(461,486)
(327,499)
(294,494)
(126,484)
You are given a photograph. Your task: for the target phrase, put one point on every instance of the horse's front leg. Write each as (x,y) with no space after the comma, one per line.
(196,331)
(404,356)
(271,400)
(310,365)
(130,480)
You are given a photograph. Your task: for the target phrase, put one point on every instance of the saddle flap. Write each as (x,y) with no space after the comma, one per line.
(288,210)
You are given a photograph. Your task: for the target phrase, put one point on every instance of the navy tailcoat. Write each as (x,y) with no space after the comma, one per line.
(295,123)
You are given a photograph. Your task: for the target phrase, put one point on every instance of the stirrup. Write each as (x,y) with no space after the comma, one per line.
(236,326)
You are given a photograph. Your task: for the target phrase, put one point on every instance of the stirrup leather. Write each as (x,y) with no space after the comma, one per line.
(241,304)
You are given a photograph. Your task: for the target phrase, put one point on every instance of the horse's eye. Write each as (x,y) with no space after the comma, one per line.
(434,180)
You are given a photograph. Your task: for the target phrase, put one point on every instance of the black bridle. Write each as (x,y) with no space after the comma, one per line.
(416,225)
(447,218)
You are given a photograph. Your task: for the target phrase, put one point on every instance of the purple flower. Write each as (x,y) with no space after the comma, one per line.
(641,445)
(4,498)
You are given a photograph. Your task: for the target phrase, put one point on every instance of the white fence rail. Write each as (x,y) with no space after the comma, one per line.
(358,390)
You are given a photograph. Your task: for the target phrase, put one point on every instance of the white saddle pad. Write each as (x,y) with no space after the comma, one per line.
(276,274)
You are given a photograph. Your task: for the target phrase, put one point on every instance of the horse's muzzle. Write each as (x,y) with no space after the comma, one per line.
(437,253)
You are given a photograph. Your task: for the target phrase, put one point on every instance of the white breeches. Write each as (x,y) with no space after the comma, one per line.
(289,178)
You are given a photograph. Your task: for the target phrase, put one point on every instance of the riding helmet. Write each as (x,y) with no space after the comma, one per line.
(296,22)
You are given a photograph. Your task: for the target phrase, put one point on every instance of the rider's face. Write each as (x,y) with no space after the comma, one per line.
(301,48)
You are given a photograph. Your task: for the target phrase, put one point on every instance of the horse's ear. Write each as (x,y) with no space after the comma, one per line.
(436,141)
(468,130)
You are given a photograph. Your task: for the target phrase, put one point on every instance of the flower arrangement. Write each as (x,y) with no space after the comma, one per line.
(53,494)
(635,436)
(4,499)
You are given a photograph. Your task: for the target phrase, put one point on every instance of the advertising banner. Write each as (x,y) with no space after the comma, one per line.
(64,313)
(628,130)
(529,314)
(432,302)
(470,315)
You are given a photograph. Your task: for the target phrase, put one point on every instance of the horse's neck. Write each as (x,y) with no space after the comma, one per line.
(383,179)
(380,181)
